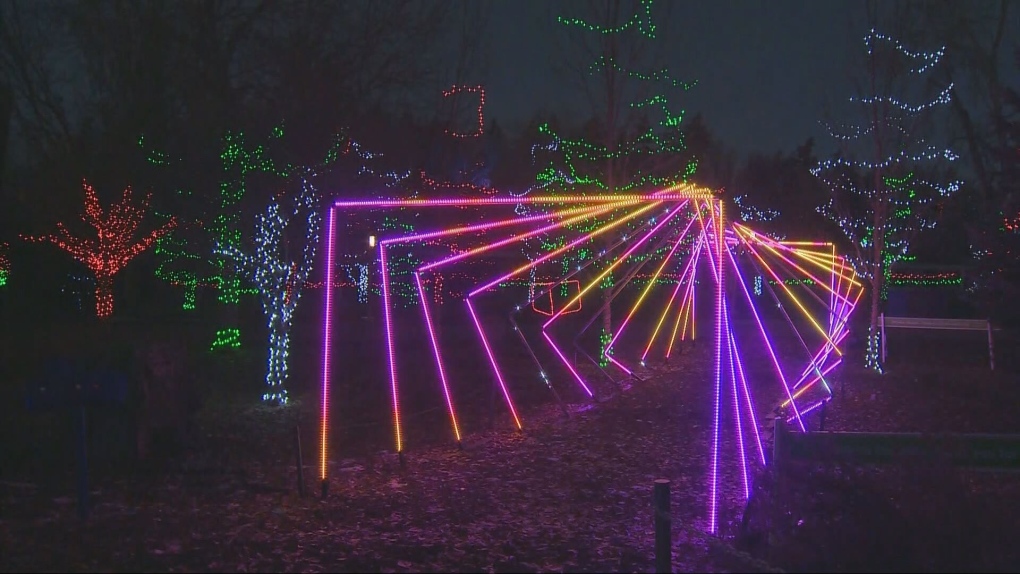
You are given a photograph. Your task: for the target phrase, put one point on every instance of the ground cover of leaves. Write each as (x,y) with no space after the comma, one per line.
(568,494)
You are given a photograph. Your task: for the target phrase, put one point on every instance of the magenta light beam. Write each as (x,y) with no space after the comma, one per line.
(747,397)
(326,346)
(492,361)
(680,282)
(644,292)
(720,328)
(438,355)
(765,337)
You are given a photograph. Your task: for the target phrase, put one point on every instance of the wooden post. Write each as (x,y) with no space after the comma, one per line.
(991,347)
(663,528)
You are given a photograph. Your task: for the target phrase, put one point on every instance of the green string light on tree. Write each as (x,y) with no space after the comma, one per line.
(5,264)
(650,157)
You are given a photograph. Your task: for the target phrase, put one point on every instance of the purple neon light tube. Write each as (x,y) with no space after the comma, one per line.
(736,412)
(683,275)
(626,254)
(326,346)
(765,337)
(647,288)
(747,397)
(721,327)
(483,201)
(492,361)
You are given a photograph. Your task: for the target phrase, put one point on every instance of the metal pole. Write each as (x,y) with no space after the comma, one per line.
(300,461)
(663,528)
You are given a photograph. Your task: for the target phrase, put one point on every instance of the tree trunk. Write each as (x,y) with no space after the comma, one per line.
(104,295)
(276,371)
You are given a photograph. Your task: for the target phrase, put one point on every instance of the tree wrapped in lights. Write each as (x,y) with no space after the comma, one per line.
(277,274)
(184,256)
(113,246)
(625,149)
(5,264)
(878,192)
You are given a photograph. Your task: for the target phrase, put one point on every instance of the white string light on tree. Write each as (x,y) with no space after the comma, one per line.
(881,203)
(278,276)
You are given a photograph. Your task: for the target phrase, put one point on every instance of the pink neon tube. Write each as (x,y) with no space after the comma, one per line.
(736,413)
(619,260)
(439,357)
(648,287)
(492,361)
(765,337)
(669,304)
(570,368)
(482,201)
(326,347)
(721,327)
(389,346)
(747,397)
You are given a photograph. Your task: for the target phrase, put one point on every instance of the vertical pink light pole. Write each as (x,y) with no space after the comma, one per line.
(326,347)
(391,356)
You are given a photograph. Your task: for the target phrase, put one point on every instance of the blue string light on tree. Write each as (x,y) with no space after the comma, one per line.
(883,202)
(278,277)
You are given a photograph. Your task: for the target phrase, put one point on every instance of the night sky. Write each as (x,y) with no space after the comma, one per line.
(764,67)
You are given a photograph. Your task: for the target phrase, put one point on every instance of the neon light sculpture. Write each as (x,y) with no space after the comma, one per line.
(812,292)
(114,245)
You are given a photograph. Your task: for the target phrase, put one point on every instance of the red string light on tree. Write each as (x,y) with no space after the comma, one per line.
(467,185)
(481,105)
(113,247)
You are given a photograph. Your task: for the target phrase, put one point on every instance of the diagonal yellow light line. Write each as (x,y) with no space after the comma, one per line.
(792,296)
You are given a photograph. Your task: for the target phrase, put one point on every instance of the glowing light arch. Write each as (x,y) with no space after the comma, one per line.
(683,219)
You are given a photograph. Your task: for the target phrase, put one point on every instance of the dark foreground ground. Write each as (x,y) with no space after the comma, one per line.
(570,494)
